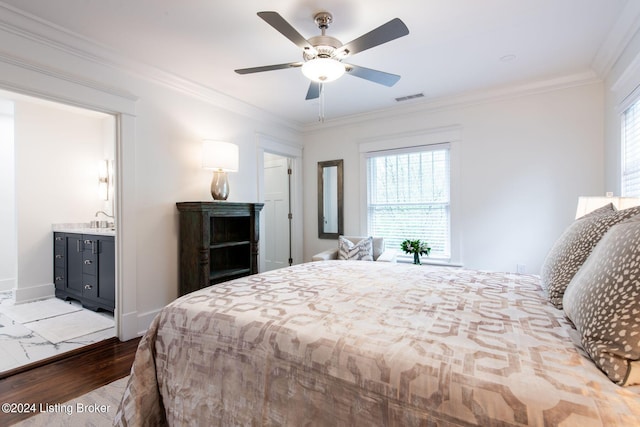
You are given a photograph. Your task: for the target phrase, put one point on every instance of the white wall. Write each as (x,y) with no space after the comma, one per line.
(522,164)
(8,244)
(56,164)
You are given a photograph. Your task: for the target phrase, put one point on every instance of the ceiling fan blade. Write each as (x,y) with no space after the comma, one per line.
(384,33)
(314,91)
(375,76)
(268,68)
(278,22)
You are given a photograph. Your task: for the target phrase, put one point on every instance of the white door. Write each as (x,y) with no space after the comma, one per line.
(276,211)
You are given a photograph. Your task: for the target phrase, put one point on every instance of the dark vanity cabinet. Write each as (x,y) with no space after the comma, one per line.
(218,242)
(85,269)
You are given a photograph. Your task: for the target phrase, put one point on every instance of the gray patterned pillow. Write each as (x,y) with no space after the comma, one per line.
(574,246)
(363,250)
(603,302)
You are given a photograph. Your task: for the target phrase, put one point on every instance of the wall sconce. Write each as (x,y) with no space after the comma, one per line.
(221,157)
(588,204)
(104,179)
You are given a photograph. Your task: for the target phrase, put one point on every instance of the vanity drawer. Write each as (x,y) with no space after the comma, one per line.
(59,279)
(89,263)
(59,249)
(59,255)
(89,286)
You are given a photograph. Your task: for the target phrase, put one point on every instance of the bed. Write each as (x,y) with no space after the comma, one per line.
(353,343)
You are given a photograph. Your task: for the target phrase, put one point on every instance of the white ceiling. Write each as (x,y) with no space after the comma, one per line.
(454,46)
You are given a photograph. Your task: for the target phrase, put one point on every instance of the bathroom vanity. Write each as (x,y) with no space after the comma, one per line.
(84,266)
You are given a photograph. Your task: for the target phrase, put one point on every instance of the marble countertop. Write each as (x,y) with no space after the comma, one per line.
(83,228)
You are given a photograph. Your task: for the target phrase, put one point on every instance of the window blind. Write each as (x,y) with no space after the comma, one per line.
(631,151)
(409,197)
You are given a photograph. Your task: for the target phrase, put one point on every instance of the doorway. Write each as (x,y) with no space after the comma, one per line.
(57,151)
(277,211)
(286,244)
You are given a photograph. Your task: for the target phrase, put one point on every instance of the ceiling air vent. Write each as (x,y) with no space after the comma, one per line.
(408,97)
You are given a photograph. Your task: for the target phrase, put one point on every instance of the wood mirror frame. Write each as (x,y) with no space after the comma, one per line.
(330,199)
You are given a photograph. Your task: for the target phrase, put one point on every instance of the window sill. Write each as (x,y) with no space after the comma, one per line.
(430,262)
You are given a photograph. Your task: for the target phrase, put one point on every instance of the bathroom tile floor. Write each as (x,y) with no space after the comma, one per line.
(34,331)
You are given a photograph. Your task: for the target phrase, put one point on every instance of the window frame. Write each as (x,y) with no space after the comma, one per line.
(450,135)
(415,150)
(633,103)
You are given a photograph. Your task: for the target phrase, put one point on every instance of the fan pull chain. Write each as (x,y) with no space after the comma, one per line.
(321,104)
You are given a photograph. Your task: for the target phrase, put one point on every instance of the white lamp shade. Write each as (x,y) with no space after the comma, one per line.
(323,70)
(588,204)
(219,155)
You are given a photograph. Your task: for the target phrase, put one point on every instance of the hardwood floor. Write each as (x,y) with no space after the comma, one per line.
(65,377)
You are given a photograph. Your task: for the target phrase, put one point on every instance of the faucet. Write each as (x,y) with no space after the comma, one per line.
(104,213)
(102,224)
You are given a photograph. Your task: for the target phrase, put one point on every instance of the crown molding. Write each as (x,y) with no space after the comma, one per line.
(37,30)
(625,27)
(626,88)
(10,59)
(463,100)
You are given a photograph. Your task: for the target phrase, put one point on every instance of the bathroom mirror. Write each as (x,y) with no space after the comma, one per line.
(330,199)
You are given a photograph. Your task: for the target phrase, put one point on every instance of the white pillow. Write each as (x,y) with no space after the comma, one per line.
(362,251)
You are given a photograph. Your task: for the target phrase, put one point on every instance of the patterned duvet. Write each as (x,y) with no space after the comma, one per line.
(355,343)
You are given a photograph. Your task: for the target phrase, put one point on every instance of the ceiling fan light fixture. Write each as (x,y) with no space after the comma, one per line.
(323,70)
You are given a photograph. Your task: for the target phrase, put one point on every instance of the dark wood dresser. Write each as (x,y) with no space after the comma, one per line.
(218,242)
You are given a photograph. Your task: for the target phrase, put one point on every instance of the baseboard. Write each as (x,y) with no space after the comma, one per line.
(33,293)
(132,325)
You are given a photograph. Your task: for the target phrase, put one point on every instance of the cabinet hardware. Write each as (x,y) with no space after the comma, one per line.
(58,256)
(88,287)
(58,239)
(87,262)
(59,278)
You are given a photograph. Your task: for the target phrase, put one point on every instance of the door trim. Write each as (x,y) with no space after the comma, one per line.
(269,144)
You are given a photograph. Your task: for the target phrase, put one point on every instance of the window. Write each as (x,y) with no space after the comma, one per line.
(408,197)
(631,151)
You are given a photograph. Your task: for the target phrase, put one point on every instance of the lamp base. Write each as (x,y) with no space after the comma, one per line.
(219,186)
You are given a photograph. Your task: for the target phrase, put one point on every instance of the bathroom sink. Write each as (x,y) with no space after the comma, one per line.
(102,224)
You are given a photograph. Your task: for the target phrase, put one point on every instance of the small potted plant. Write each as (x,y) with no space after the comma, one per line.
(417,248)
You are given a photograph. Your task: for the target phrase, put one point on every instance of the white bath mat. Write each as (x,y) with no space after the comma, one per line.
(31,311)
(69,326)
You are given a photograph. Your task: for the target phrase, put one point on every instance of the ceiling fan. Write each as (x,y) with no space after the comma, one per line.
(323,55)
